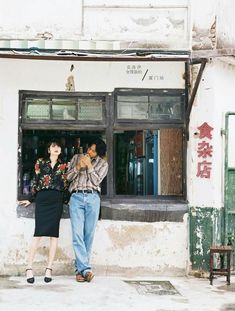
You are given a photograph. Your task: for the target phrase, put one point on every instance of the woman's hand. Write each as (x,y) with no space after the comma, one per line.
(25,203)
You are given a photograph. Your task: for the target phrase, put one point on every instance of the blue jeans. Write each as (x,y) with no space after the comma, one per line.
(84,212)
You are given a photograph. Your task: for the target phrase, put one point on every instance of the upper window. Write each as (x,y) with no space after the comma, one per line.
(161,106)
(82,108)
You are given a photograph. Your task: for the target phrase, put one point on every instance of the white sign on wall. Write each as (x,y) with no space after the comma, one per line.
(89,76)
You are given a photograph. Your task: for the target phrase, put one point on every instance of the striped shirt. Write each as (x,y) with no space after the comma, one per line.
(86,179)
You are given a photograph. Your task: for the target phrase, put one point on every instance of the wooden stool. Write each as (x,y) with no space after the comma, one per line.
(222,250)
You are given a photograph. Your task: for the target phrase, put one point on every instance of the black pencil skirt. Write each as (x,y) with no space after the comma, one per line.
(48,211)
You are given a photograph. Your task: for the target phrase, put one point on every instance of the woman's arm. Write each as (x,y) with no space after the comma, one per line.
(35,180)
(34,183)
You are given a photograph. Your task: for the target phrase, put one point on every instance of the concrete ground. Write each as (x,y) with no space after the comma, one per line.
(115,294)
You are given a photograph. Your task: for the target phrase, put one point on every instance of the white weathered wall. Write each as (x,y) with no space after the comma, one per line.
(162,246)
(159,24)
(130,24)
(215,97)
(26,19)
(203,16)
(119,24)
(226,24)
(213,24)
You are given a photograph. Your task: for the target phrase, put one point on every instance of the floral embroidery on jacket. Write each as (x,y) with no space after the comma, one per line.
(46,177)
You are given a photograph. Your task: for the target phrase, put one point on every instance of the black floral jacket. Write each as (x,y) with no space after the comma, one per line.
(46,177)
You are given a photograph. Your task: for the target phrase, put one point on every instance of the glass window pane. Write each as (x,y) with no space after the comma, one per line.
(37,109)
(63,109)
(90,109)
(165,107)
(148,162)
(132,107)
(156,107)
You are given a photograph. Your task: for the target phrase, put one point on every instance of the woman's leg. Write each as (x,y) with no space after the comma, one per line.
(52,252)
(32,252)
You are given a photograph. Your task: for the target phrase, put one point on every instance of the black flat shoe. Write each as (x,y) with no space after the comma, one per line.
(30,280)
(46,278)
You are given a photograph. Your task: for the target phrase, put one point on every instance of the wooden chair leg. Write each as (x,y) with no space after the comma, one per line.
(211,268)
(228,267)
(221,261)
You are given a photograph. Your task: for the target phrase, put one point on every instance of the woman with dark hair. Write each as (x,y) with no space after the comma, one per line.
(48,185)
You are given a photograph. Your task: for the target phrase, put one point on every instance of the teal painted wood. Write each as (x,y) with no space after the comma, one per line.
(231,191)
(205,230)
(229,194)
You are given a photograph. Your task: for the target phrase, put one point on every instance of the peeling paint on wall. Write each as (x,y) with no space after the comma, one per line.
(205,230)
(204,39)
(28,19)
(156,27)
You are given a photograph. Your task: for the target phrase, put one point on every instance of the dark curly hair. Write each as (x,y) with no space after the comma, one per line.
(100,147)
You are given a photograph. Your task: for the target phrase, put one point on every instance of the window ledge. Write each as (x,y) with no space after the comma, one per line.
(150,211)
(145,212)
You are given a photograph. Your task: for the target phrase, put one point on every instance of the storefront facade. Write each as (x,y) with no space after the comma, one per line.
(144,129)
(157,86)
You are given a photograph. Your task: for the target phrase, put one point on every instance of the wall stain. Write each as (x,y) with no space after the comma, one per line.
(144,21)
(60,254)
(43,250)
(124,236)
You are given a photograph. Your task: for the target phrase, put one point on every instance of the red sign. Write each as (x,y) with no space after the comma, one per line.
(204,150)
(204,169)
(205,130)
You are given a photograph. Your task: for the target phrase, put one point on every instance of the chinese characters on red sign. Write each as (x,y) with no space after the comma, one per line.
(204,151)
